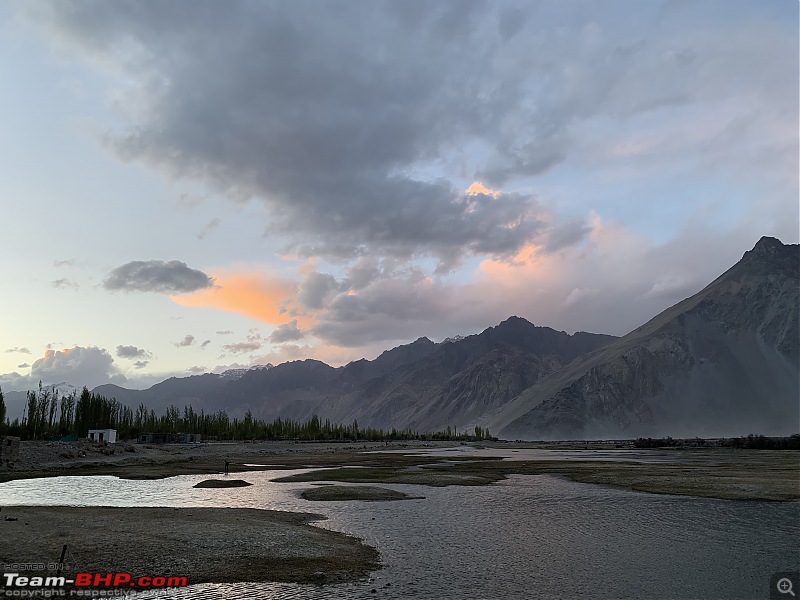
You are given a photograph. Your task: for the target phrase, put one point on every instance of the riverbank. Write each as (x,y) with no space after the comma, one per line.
(724,473)
(202,544)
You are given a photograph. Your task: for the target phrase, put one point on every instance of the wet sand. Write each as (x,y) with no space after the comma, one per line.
(365,493)
(201,544)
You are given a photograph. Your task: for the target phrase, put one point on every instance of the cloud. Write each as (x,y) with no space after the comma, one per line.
(288,332)
(64,263)
(212,224)
(23,366)
(614,282)
(21,350)
(16,382)
(580,296)
(131,352)
(224,332)
(564,158)
(171,277)
(185,342)
(63,283)
(222,368)
(478,189)
(253,342)
(141,364)
(361,273)
(391,309)
(315,289)
(257,295)
(334,356)
(189,201)
(204,344)
(370,159)
(196,370)
(373,159)
(90,366)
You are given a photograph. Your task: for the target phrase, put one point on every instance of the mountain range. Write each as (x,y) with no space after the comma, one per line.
(722,362)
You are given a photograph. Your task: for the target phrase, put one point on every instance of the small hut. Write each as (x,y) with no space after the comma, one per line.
(103,435)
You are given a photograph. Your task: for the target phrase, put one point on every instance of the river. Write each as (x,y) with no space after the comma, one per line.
(539,536)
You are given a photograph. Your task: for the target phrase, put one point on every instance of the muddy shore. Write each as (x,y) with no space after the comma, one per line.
(201,544)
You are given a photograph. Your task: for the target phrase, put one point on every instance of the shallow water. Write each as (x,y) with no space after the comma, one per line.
(526,537)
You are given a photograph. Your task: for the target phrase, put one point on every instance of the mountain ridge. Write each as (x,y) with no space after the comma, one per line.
(710,346)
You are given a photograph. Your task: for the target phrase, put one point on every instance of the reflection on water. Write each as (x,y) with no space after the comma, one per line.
(106,490)
(525,537)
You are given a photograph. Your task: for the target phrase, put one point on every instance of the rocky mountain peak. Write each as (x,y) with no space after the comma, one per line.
(767,245)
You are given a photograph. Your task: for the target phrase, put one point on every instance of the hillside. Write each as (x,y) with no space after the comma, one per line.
(722,362)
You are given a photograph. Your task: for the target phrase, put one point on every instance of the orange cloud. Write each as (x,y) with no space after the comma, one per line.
(478,188)
(256,295)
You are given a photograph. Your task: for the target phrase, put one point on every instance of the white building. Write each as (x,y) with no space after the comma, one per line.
(103,435)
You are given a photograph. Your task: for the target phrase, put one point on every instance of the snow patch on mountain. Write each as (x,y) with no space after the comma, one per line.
(234,374)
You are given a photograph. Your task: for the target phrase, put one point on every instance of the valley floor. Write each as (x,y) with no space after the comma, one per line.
(197,538)
(705,472)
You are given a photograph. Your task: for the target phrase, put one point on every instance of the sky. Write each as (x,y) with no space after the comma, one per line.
(190,186)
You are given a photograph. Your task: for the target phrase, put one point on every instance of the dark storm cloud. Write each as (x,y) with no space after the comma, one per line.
(332,117)
(171,277)
(132,352)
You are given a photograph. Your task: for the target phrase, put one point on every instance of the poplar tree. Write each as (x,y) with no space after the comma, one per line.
(2,411)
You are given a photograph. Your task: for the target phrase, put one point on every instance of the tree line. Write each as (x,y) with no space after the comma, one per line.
(50,415)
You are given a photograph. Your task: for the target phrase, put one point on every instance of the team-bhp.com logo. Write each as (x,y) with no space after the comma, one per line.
(84,584)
